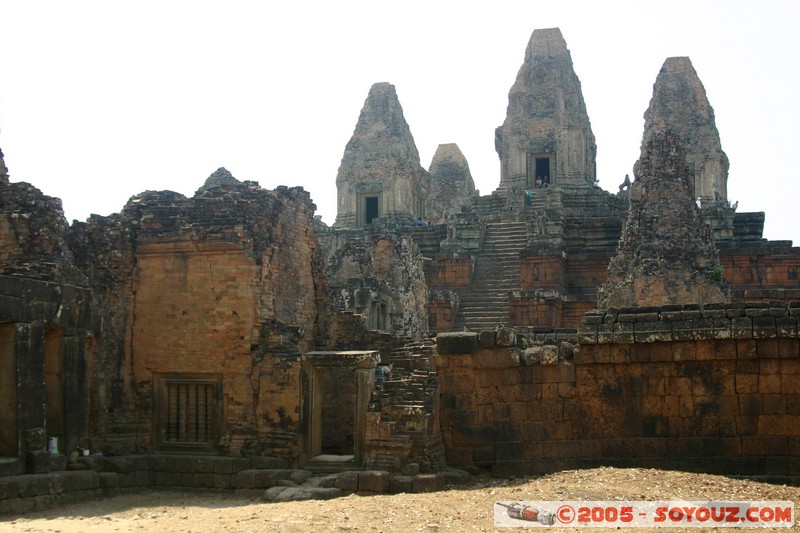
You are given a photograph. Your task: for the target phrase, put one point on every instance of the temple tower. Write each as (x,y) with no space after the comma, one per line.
(666,254)
(546,134)
(451,183)
(679,104)
(380,175)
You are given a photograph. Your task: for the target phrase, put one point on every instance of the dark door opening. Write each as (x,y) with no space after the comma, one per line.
(337,387)
(370,209)
(543,171)
(8,391)
(54,384)
(339,393)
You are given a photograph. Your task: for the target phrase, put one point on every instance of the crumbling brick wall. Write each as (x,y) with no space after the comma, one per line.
(46,308)
(379,275)
(402,432)
(228,285)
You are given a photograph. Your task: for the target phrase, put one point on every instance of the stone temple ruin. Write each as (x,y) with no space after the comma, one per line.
(212,341)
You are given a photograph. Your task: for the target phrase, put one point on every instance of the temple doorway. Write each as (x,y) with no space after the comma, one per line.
(542,173)
(370,209)
(336,387)
(9,439)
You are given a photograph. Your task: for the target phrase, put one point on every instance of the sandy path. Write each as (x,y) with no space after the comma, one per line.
(468,509)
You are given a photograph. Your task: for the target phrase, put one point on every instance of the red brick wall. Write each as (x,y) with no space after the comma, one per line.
(528,309)
(194,313)
(442,313)
(450,272)
(761,270)
(542,272)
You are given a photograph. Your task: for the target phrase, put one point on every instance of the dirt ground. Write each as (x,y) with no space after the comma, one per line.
(465,509)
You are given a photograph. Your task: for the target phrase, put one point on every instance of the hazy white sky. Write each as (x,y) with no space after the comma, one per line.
(102,100)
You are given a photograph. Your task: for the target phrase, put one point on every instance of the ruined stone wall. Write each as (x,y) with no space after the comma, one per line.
(712,388)
(451,271)
(762,272)
(226,287)
(542,308)
(402,433)
(379,275)
(49,321)
(194,313)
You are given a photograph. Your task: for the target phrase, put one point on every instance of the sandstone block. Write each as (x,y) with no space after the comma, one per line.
(401,484)
(487,339)
(37,462)
(108,480)
(347,481)
(373,481)
(268,463)
(301,493)
(454,343)
(426,483)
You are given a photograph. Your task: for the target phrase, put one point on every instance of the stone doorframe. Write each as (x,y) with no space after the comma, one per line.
(314,365)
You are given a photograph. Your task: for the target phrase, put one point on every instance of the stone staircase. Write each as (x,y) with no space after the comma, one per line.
(485,303)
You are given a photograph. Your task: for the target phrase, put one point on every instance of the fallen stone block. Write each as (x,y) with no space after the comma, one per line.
(294,494)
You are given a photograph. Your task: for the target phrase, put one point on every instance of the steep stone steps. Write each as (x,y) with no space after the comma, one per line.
(485,303)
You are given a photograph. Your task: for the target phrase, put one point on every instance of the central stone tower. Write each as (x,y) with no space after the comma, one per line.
(546,134)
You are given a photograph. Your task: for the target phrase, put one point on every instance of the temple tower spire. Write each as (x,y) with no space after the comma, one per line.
(380,175)
(546,134)
(679,104)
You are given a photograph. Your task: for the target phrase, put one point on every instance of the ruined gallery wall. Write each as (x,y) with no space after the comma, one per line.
(378,275)
(763,272)
(766,271)
(402,429)
(445,273)
(48,320)
(194,312)
(711,389)
(224,287)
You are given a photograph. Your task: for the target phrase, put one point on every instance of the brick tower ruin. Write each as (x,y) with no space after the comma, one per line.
(546,134)
(666,254)
(451,183)
(380,175)
(679,104)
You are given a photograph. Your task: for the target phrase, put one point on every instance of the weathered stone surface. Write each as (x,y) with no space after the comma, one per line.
(666,254)
(347,481)
(34,235)
(379,276)
(679,104)
(294,494)
(373,481)
(380,174)
(3,168)
(219,281)
(231,286)
(300,476)
(219,178)
(268,463)
(451,183)
(457,343)
(546,118)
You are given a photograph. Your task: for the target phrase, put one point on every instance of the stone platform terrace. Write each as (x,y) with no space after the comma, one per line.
(265,477)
